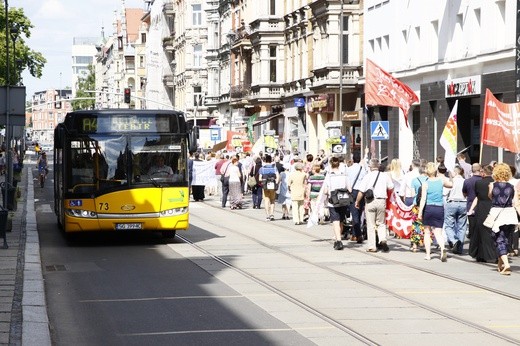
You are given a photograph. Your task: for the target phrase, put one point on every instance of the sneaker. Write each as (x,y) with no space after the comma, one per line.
(338,245)
(360,240)
(384,246)
(456,248)
(444,256)
(268,219)
(271,218)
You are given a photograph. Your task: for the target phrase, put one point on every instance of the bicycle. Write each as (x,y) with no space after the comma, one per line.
(42,174)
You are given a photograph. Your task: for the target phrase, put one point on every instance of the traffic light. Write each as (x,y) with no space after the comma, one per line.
(127,95)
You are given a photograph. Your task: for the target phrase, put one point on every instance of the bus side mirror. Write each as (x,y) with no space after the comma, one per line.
(193,136)
(58,137)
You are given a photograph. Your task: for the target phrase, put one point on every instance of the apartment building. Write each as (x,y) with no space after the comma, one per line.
(286,62)
(84,51)
(116,61)
(445,51)
(49,108)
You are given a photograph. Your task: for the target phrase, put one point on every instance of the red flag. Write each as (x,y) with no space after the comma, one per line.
(501,124)
(383,89)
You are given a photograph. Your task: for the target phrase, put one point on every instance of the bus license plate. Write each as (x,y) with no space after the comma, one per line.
(124,226)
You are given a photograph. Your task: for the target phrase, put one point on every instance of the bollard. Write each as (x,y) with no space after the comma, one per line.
(3,226)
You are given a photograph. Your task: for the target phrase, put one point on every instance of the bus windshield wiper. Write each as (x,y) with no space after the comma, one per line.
(154,182)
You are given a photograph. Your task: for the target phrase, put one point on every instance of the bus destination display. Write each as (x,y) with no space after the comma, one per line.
(124,124)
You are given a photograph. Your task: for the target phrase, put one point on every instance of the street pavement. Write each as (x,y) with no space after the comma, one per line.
(23,312)
(23,315)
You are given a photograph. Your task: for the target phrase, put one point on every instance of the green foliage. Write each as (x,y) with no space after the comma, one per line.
(21,57)
(84,84)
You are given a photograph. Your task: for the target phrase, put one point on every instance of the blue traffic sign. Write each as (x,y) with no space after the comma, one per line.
(379,130)
(215,134)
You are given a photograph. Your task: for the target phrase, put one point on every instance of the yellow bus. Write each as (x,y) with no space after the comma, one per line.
(122,170)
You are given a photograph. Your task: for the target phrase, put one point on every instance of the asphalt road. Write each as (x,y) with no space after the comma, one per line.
(131,289)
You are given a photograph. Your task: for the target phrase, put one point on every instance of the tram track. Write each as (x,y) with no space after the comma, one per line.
(329,319)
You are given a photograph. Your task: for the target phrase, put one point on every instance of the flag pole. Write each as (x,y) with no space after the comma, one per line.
(480,157)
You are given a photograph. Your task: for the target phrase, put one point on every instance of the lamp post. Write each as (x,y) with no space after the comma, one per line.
(230,38)
(9,155)
(14,36)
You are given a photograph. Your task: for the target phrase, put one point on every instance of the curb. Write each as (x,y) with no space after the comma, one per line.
(35,327)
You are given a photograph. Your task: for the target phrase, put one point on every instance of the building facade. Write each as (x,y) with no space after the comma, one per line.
(445,51)
(84,51)
(49,108)
(116,61)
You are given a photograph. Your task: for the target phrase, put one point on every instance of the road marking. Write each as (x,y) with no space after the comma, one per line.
(254,330)
(441,292)
(156,298)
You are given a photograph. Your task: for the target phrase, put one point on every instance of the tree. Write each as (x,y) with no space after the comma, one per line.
(25,58)
(85,84)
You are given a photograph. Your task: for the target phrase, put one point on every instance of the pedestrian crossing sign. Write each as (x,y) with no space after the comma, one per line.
(380,130)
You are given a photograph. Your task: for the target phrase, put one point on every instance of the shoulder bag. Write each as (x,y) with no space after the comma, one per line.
(223,178)
(369,194)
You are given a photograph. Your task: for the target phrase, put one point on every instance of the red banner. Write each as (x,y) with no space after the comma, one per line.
(383,89)
(399,216)
(500,124)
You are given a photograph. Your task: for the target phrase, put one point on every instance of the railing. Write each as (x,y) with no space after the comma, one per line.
(240,91)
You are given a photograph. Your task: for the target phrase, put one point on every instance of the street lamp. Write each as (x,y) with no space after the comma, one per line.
(14,36)
(230,39)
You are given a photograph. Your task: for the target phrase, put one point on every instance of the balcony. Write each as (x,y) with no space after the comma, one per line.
(240,91)
(168,80)
(168,9)
(168,42)
(241,39)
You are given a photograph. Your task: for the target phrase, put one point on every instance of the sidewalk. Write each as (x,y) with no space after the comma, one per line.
(23,311)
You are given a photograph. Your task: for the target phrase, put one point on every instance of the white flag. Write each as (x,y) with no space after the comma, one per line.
(448,139)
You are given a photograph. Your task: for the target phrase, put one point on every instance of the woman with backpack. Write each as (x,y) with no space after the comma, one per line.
(334,180)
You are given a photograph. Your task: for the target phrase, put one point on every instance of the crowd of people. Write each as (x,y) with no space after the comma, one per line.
(468,201)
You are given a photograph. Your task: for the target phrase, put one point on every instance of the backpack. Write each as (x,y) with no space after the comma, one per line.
(269,180)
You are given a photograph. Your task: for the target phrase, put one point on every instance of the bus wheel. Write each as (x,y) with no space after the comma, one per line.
(168,234)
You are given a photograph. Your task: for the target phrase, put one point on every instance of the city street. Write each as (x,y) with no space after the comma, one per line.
(234,278)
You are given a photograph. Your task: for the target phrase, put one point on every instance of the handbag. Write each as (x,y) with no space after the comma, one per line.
(340,198)
(251,182)
(224,179)
(492,217)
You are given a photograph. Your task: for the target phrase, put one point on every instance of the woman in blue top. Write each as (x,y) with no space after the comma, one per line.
(431,209)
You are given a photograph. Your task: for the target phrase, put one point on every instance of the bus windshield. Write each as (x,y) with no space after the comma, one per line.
(102,162)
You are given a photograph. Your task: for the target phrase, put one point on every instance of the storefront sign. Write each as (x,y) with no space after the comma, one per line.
(322,103)
(465,86)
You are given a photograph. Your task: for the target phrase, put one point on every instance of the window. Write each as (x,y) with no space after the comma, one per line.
(197,55)
(141,61)
(197,96)
(272,7)
(344,37)
(197,14)
(143,37)
(272,63)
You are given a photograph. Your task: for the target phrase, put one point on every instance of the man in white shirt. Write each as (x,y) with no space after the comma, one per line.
(407,192)
(375,210)
(356,172)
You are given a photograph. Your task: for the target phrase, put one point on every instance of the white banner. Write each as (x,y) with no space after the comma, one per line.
(203,172)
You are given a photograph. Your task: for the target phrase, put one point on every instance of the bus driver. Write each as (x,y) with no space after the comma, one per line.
(160,169)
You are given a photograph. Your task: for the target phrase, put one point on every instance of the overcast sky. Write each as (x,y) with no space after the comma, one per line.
(55,23)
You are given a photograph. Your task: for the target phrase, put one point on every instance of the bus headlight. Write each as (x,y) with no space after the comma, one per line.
(175,211)
(81,213)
